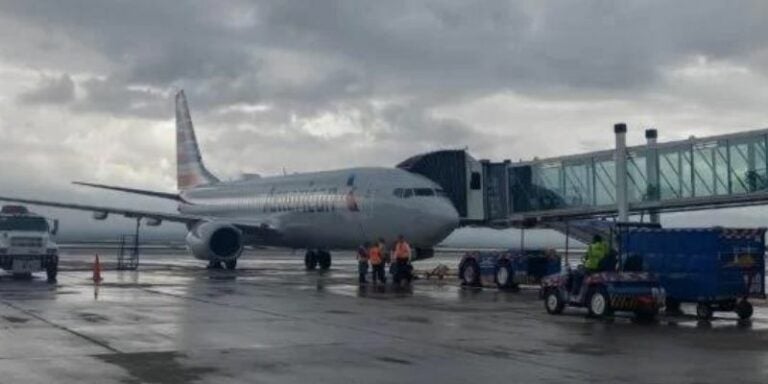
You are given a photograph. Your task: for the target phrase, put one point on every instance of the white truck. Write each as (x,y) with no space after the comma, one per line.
(26,243)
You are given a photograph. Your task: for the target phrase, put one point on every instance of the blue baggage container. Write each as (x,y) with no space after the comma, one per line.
(718,268)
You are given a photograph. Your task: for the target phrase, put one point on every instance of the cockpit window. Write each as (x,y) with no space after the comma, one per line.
(405,193)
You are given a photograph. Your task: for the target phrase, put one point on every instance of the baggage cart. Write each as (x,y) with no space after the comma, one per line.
(718,269)
(507,269)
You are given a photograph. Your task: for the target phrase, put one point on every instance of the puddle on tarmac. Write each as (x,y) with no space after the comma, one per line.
(15,320)
(157,367)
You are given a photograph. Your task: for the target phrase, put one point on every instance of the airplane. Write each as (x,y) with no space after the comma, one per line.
(318,211)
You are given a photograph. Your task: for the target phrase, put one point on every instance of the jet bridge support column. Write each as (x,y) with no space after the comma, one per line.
(622,203)
(652,171)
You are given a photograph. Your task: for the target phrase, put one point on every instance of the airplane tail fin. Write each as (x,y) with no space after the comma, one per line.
(190,170)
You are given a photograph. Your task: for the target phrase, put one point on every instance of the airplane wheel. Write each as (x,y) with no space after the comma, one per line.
(310,260)
(324,260)
(23,276)
(51,271)
(231,264)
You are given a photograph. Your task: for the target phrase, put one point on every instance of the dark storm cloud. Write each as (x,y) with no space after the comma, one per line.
(51,90)
(112,97)
(304,59)
(352,82)
(435,50)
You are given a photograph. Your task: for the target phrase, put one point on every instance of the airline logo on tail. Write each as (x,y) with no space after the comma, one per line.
(190,170)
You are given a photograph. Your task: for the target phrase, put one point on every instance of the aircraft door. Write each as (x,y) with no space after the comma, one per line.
(367,199)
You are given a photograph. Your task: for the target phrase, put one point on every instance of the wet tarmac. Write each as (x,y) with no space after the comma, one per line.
(273,322)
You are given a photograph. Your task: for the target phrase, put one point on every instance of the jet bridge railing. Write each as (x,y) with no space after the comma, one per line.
(698,173)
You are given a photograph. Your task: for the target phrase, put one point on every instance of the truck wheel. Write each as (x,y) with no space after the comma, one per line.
(598,302)
(51,271)
(324,260)
(553,302)
(469,272)
(231,264)
(310,260)
(744,309)
(704,311)
(504,275)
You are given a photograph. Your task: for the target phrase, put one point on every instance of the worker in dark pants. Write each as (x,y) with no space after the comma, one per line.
(362,262)
(402,253)
(596,252)
(385,254)
(377,263)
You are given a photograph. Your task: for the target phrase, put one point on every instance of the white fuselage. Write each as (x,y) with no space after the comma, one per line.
(331,210)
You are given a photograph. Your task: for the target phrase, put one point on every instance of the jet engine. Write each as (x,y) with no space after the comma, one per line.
(215,241)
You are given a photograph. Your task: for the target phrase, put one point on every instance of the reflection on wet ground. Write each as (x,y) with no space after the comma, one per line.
(176,322)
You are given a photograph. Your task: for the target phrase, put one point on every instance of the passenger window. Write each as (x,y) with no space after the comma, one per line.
(424,192)
(398,192)
(407,193)
(475,181)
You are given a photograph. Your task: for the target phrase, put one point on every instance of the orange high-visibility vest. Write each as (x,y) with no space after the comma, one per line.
(402,250)
(374,254)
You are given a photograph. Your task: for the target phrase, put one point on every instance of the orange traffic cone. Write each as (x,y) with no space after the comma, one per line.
(97,270)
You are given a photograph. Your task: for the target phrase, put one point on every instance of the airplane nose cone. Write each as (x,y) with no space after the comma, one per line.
(444,219)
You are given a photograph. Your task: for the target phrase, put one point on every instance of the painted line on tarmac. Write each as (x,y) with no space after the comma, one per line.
(85,337)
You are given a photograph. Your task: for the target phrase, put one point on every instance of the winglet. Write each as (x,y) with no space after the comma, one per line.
(190,170)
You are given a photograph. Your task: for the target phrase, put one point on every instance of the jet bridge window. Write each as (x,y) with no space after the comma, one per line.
(475,181)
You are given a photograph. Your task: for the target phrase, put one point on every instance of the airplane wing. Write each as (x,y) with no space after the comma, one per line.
(257,229)
(130,213)
(163,195)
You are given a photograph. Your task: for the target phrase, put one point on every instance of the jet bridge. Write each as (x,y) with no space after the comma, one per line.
(693,174)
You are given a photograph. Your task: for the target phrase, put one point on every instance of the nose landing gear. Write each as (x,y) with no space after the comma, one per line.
(315,258)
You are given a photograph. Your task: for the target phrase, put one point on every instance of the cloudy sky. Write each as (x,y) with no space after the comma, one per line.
(87,85)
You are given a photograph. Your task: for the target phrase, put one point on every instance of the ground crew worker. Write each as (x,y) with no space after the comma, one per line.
(402,255)
(385,254)
(362,262)
(596,252)
(402,250)
(377,263)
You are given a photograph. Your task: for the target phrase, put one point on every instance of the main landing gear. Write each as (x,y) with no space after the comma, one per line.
(317,258)
(228,264)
